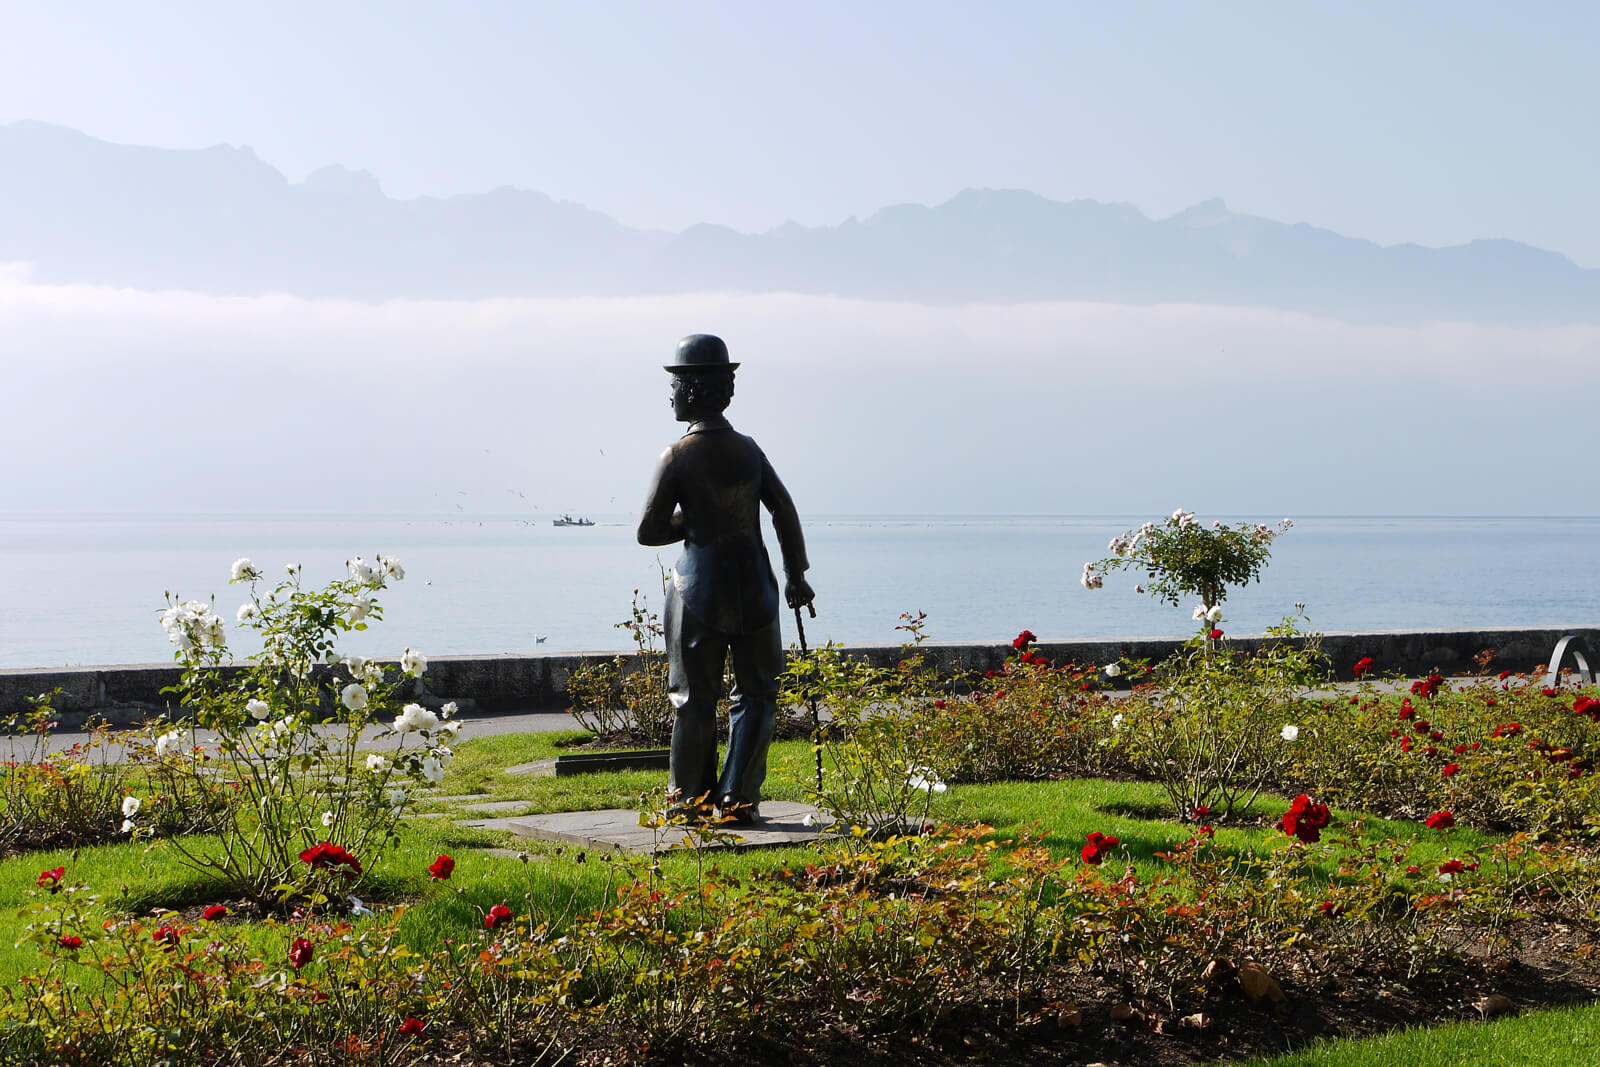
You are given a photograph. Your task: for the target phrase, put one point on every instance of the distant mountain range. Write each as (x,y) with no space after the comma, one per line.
(220,220)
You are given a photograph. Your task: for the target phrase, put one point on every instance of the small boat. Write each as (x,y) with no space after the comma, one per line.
(568,520)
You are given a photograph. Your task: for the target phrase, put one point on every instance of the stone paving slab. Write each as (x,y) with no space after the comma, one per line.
(781,823)
(493,807)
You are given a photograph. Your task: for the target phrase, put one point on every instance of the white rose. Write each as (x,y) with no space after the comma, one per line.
(444,755)
(258,708)
(130,807)
(392,568)
(360,570)
(246,612)
(452,730)
(413,663)
(1116,721)
(1215,614)
(327,818)
(360,608)
(1201,612)
(377,764)
(127,826)
(448,710)
(168,741)
(1289,733)
(244,570)
(432,770)
(414,717)
(353,696)
(1112,670)
(292,569)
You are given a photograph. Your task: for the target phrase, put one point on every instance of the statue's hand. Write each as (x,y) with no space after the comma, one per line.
(797,591)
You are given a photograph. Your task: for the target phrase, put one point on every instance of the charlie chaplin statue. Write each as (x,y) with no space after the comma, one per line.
(707,492)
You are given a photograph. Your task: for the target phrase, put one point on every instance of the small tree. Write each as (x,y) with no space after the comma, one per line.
(1181,557)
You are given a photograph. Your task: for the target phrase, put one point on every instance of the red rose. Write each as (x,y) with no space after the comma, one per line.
(1305,819)
(326,854)
(498,915)
(1363,665)
(1405,744)
(1504,675)
(938,703)
(70,941)
(412,1026)
(1331,910)
(1440,820)
(1097,846)
(51,880)
(441,867)
(1452,867)
(1216,635)
(1463,748)
(1510,729)
(1587,706)
(1449,769)
(1548,691)
(1023,640)
(300,953)
(166,937)
(216,911)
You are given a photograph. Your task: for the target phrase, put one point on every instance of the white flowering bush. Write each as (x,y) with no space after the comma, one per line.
(1182,557)
(311,810)
(1215,726)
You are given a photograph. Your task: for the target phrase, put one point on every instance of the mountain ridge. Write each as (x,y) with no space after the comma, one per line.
(221,220)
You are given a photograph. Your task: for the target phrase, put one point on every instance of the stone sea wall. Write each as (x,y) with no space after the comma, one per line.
(131,693)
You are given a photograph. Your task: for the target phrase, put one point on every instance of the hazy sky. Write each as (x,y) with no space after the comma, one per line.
(1428,122)
(1436,123)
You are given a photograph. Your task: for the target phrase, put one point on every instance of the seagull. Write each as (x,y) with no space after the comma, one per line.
(538,639)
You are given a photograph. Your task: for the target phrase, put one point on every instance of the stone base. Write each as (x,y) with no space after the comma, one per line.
(781,823)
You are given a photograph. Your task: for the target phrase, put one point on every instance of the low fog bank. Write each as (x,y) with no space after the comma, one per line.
(125,400)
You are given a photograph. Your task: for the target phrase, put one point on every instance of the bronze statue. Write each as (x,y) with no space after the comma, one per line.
(707,492)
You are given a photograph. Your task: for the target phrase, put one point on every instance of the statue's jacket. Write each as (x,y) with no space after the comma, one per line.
(708,491)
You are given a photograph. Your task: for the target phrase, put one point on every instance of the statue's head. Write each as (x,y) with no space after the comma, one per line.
(702,377)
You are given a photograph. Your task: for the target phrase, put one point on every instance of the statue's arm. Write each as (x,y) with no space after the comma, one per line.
(791,539)
(661,523)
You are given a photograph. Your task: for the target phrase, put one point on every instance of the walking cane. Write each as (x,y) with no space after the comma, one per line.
(816,716)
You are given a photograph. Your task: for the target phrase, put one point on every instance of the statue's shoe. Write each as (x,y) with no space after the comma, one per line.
(737,812)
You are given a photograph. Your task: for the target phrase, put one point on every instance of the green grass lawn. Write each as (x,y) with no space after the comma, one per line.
(556,883)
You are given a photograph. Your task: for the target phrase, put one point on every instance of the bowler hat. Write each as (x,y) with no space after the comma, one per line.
(701,351)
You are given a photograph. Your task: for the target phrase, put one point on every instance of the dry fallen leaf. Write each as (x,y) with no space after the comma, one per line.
(1217,971)
(1259,985)
(1122,1010)
(1069,1018)
(1494,1004)
(1198,1021)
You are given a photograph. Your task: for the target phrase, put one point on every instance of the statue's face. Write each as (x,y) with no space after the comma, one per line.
(680,399)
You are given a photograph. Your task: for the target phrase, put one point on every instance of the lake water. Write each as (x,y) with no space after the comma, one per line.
(88,589)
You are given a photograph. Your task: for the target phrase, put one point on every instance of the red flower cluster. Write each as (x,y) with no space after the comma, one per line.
(1456,867)
(70,941)
(1440,820)
(51,880)
(442,867)
(1023,640)
(166,937)
(1588,707)
(1034,658)
(1449,769)
(1332,910)
(1407,712)
(216,911)
(1305,819)
(1508,729)
(300,953)
(1549,691)
(1363,665)
(411,1026)
(499,915)
(327,854)
(1426,687)
(1098,845)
